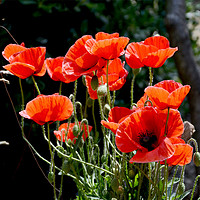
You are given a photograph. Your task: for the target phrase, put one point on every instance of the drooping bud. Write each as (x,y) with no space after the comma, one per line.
(120,190)
(75,130)
(136,71)
(61,149)
(102,90)
(181,188)
(114,184)
(106,109)
(66,166)
(131,174)
(50,177)
(94,82)
(196,159)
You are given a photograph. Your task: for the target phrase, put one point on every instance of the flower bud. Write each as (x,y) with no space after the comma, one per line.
(181,188)
(61,149)
(114,184)
(120,190)
(50,176)
(136,71)
(106,109)
(102,90)
(66,166)
(94,82)
(196,159)
(89,102)
(103,158)
(83,80)
(131,174)
(75,130)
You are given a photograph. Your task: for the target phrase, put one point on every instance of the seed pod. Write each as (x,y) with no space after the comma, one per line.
(50,176)
(61,149)
(94,82)
(102,90)
(106,109)
(66,166)
(75,130)
(131,174)
(114,184)
(136,71)
(120,190)
(196,159)
(181,188)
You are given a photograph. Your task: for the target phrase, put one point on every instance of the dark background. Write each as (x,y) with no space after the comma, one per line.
(57,25)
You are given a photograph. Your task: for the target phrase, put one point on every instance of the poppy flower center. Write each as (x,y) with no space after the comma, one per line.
(148,140)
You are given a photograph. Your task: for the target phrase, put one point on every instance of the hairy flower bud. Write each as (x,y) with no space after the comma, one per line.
(75,130)
(196,159)
(131,174)
(50,176)
(66,166)
(115,184)
(102,90)
(181,188)
(94,82)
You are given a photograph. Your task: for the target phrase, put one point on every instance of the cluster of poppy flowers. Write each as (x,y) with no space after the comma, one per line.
(143,128)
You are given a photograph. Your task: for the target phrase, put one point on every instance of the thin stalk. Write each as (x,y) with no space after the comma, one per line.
(194,186)
(108,91)
(149,195)
(150,76)
(60,88)
(36,86)
(52,160)
(173,179)
(140,182)
(166,123)
(132,89)
(113,99)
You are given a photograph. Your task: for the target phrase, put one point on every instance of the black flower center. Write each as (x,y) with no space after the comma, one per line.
(148,140)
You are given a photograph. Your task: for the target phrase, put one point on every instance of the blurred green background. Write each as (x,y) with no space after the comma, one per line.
(57,25)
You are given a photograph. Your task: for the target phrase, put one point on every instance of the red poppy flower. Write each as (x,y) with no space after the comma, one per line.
(115,117)
(183,153)
(167,94)
(152,52)
(63,130)
(48,108)
(78,61)
(25,62)
(107,46)
(116,77)
(54,69)
(144,131)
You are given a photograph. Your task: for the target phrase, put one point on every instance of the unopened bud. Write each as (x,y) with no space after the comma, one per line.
(66,166)
(120,190)
(94,82)
(102,90)
(50,176)
(75,130)
(196,159)
(114,184)
(106,109)
(181,188)
(61,149)
(136,71)
(131,174)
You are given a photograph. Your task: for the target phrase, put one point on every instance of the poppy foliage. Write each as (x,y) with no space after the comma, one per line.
(48,108)
(25,62)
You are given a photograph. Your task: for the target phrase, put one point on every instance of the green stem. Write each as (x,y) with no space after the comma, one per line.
(173,179)
(149,195)
(194,186)
(166,123)
(108,91)
(150,76)
(132,89)
(36,86)
(52,160)
(60,88)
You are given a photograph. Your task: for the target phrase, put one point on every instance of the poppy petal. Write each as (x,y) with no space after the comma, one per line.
(177,96)
(102,36)
(12,49)
(158,95)
(159,41)
(21,70)
(163,151)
